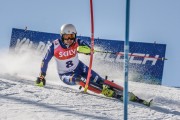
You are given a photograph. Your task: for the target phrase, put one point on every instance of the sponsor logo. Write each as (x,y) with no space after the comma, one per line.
(25,45)
(95,79)
(67,53)
(135,58)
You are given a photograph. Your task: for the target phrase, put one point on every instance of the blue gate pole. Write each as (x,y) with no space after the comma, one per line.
(126,62)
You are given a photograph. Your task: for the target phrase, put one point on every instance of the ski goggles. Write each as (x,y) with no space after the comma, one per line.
(69,36)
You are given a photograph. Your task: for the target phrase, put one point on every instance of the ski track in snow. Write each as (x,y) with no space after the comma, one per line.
(20,99)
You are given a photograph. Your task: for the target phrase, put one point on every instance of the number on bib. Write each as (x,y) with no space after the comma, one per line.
(69,64)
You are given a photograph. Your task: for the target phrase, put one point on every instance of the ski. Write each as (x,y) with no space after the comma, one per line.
(118,92)
(90,87)
(145,103)
(112,84)
(148,103)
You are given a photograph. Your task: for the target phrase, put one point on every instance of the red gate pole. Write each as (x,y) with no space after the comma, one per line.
(92,46)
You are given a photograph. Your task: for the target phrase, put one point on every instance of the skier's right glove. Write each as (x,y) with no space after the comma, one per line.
(41,81)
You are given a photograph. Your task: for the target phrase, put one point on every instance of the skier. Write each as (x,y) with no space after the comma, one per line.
(71,70)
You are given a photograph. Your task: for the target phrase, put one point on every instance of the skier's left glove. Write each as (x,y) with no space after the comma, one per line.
(84,49)
(41,81)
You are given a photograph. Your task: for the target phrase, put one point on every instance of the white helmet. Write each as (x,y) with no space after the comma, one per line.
(68,29)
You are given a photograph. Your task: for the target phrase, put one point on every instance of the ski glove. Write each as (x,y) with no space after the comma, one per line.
(41,81)
(84,49)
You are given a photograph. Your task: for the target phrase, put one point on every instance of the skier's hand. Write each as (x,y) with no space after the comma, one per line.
(84,49)
(41,81)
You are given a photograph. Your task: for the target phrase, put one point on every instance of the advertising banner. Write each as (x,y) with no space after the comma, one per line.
(146,61)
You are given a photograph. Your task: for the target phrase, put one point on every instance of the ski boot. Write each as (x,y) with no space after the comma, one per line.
(132,97)
(107,91)
(147,103)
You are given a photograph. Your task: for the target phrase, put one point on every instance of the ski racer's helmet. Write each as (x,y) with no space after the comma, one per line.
(68,31)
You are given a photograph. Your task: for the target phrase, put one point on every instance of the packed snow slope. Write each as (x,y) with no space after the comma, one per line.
(20,99)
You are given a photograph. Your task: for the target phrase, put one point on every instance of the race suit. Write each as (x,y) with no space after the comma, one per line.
(70,68)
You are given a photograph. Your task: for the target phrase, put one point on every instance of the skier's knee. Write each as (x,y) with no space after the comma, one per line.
(77,78)
(68,80)
(71,79)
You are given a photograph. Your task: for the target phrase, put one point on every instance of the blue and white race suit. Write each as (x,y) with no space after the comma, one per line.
(68,64)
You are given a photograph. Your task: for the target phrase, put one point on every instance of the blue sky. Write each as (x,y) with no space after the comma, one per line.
(150,20)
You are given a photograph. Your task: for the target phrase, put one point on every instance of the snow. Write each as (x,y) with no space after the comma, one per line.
(20,99)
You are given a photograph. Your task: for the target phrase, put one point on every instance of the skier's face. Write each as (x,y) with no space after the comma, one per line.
(69,39)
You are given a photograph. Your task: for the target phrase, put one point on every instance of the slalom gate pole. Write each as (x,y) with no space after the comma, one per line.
(126,66)
(92,46)
(122,54)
